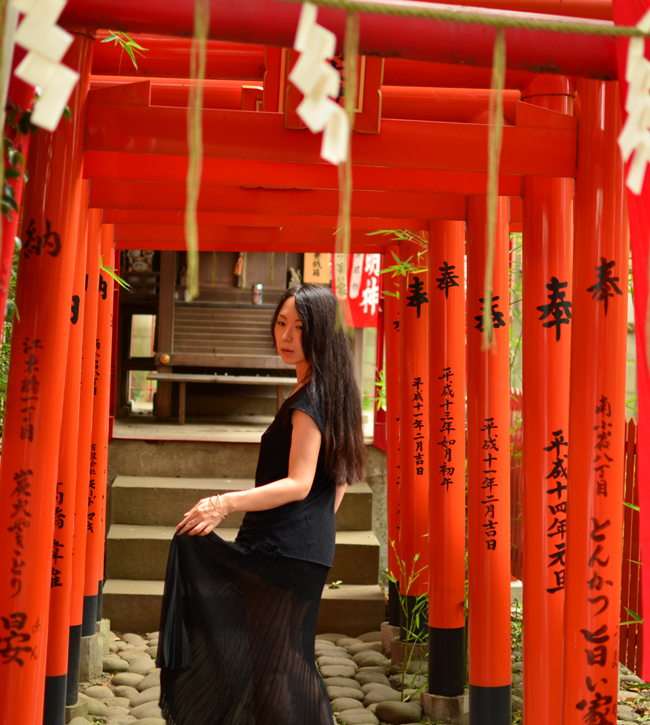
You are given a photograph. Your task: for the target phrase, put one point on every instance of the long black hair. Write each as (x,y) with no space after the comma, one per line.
(333,385)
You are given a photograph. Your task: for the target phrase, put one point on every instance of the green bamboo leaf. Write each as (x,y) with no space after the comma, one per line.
(633,506)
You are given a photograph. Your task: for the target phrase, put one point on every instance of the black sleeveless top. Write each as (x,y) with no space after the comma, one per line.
(301,529)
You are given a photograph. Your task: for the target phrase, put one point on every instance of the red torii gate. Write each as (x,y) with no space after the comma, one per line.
(420,172)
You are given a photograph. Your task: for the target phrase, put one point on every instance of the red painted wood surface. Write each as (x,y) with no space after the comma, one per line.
(542,144)
(267,22)
(447,425)
(278,174)
(35,402)
(488,454)
(597,413)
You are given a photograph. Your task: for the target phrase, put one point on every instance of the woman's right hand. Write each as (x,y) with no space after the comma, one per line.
(202,518)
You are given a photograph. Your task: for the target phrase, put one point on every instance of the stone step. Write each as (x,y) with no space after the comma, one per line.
(134,606)
(140,553)
(156,501)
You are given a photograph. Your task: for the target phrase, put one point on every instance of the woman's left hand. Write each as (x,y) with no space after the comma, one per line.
(202,519)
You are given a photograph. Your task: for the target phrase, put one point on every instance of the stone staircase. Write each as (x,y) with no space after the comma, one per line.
(145,511)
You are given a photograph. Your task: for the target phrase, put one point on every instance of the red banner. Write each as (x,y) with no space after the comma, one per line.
(361,288)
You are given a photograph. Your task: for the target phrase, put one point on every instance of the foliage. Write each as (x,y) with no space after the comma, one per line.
(21,123)
(112,272)
(5,336)
(380,387)
(416,631)
(127,44)
(515,283)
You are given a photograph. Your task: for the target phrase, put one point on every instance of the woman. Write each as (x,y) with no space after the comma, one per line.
(239,620)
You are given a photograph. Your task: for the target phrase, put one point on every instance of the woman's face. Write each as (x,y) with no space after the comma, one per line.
(288,333)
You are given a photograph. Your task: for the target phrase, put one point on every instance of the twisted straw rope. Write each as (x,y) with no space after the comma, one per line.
(463,16)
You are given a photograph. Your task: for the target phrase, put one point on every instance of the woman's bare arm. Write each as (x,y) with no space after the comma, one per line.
(340,492)
(303,458)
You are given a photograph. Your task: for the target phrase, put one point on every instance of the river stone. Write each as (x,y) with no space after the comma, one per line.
(97,708)
(627,695)
(342,682)
(365,647)
(413,681)
(130,679)
(152,651)
(370,637)
(415,666)
(323,643)
(369,659)
(132,638)
(383,670)
(153,635)
(120,702)
(99,692)
(333,652)
(631,678)
(399,713)
(124,691)
(114,646)
(124,720)
(336,692)
(333,638)
(78,721)
(140,710)
(150,695)
(364,678)
(152,712)
(345,703)
(381,694)
(339,671)
(347,641)
(133,653)
(113,665)
(152,721)
(151,680)
(153,642)
(142,666)
(117,711)
(371,686)
(356,717)
(324,661)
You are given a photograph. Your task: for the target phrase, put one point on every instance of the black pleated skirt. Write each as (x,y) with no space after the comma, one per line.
(237,637)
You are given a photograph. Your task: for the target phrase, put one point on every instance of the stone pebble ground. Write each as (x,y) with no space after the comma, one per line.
(363,686)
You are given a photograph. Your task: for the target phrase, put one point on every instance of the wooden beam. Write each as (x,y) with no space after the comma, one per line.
(251,172)
(227,219)
(165,330)
(212,198)
(542,144)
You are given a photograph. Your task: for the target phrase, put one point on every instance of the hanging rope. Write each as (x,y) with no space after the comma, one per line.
(351,56)
(195,141)
(470,16)
(495,138)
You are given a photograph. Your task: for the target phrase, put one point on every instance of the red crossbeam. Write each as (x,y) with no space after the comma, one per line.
(546,147)
(142,195)
(251,173)
(268,22)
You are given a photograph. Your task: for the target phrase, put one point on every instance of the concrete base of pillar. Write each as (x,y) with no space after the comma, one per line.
(388,634)
(80,709)
(415,653)
(104,629)
(452,710)
(92,654)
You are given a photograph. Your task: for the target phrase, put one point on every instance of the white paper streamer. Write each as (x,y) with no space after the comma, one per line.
(47,43)
(635,136)
(319,82)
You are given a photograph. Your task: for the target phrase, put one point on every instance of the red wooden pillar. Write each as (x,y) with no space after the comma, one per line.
(94,572)
(447,458)
(488,472)
(391,341)
(414,433)
(35,402)
(78,601)
(20,98)
(597,414)
(547,264)
(64,512)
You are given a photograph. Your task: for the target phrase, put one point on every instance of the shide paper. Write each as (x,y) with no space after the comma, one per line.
(319,83)
(46,44)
